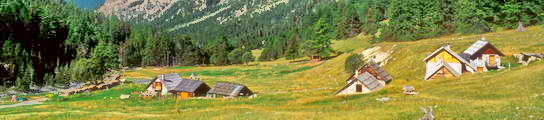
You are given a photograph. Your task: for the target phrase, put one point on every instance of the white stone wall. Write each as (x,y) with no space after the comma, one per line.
(352,89)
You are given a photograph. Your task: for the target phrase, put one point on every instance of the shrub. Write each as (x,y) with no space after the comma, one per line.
(353,62)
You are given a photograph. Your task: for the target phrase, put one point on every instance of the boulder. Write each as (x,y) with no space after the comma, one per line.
(48,89)
(383,99)
(13,92)
(142,81)
(124,96)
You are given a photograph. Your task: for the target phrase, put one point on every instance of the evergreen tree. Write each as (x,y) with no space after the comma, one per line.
(319,45)
(248,57)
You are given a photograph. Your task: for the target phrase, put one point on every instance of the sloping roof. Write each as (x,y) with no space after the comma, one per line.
(187,85)
(447,49)
(381,72)
(439,66)
(228,89)
(368,81)
(171,81)
(478,46)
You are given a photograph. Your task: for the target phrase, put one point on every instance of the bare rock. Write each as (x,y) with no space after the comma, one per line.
(124,96)
(428,113)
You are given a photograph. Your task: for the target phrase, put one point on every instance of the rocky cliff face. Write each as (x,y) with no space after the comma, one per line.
(241,19)
(147,10)
(178,14)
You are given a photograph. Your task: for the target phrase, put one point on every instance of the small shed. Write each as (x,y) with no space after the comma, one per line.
(483,55)
(363,83)
(225,89)
(190,88)
(445,62)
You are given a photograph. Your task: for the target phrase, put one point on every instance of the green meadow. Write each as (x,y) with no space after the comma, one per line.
(298,89)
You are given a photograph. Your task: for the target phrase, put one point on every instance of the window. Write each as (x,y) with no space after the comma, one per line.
(158,86)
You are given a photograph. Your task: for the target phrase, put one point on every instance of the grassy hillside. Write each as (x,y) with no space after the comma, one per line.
(301,90)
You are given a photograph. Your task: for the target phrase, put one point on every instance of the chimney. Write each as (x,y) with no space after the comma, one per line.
(356,72)
(447,46)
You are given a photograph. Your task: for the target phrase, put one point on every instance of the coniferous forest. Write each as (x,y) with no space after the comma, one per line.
(46,42)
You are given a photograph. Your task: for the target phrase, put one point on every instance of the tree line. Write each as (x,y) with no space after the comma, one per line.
(50,42)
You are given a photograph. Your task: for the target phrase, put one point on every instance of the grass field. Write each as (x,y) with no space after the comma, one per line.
(302,90)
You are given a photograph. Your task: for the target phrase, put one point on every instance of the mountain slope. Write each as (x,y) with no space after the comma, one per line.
(288,90)
(209,16)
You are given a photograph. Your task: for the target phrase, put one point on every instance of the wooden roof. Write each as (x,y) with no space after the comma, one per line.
(368,80)
(187,85)
(227,89)
(380,74)
(478,47)
(174,82)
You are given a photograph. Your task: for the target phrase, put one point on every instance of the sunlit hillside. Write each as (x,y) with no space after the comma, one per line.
(298,89)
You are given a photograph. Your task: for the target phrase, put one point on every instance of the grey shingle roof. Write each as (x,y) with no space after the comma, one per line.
(381,72)
(227,89)
(174,82)
(369,81)
(187,85)
(171,81)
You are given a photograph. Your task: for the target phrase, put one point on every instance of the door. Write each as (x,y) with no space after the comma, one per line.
(183,95)
(158,86)
(480,69)
(358,88)
(492,60)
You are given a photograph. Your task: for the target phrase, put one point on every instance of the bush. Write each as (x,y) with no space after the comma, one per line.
(235,56)
(353,62)
(248,57)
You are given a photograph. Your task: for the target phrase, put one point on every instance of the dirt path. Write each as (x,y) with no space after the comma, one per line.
(31,102)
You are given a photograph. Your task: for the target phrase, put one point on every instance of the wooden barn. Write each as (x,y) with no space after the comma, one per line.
(483,55)
(443,62)
(375,70)
(224,89)
(190,88)
(174,84)
(361,84)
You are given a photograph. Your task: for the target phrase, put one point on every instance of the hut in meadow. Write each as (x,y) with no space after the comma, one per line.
(174,84)
(371,77)
(483,55)
(190,88)
(228,90)
(443,62)
(361,84)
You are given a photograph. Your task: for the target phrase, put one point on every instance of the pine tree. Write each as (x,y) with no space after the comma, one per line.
(319,45)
